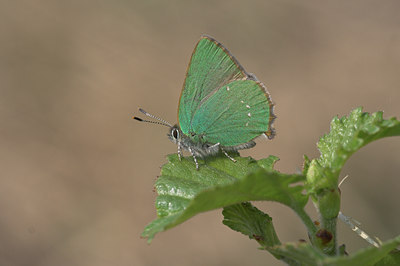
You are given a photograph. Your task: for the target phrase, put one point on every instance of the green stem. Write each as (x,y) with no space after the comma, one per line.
(330,226)
(311,227)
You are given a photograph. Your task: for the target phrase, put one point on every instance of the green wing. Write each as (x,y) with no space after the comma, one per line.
(235,114)
(220,102)
(210,68)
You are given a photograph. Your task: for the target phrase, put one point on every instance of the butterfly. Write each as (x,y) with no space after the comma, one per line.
(222,108)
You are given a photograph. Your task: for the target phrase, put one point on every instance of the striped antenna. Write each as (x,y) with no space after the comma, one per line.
(162,121)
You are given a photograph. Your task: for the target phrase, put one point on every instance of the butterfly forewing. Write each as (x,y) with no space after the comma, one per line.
(210,68)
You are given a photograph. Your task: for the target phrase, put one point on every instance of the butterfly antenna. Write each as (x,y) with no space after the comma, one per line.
(148,121)
(163,122)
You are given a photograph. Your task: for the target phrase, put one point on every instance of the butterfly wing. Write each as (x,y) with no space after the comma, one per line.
(235,114)
(211,67)
(220,102)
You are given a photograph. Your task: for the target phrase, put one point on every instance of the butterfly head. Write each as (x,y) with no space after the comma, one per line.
(175,134)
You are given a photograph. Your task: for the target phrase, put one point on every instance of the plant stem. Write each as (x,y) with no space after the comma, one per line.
(330,226)
(312,229)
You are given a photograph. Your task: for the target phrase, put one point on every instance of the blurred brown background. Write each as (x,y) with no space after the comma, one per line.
(77,173)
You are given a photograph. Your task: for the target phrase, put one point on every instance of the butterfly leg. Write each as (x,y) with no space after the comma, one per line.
(179,151)
(215,145)
(214,149)
(227,155)
(194,158)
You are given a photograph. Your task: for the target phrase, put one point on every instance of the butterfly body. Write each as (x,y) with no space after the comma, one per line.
(200,148)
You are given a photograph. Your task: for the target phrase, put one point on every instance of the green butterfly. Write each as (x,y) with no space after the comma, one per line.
(222,108)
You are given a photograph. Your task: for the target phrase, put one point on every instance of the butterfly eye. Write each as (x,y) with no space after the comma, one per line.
(175,133)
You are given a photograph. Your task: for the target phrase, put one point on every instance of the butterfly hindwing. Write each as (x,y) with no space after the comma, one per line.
(235,114)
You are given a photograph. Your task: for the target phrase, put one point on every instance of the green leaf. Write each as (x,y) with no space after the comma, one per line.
(371,255)
(391,259)
(298,253)
(305,254)
(349,134)
(306,164)
(268,163)
(250,221)
(185,192)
